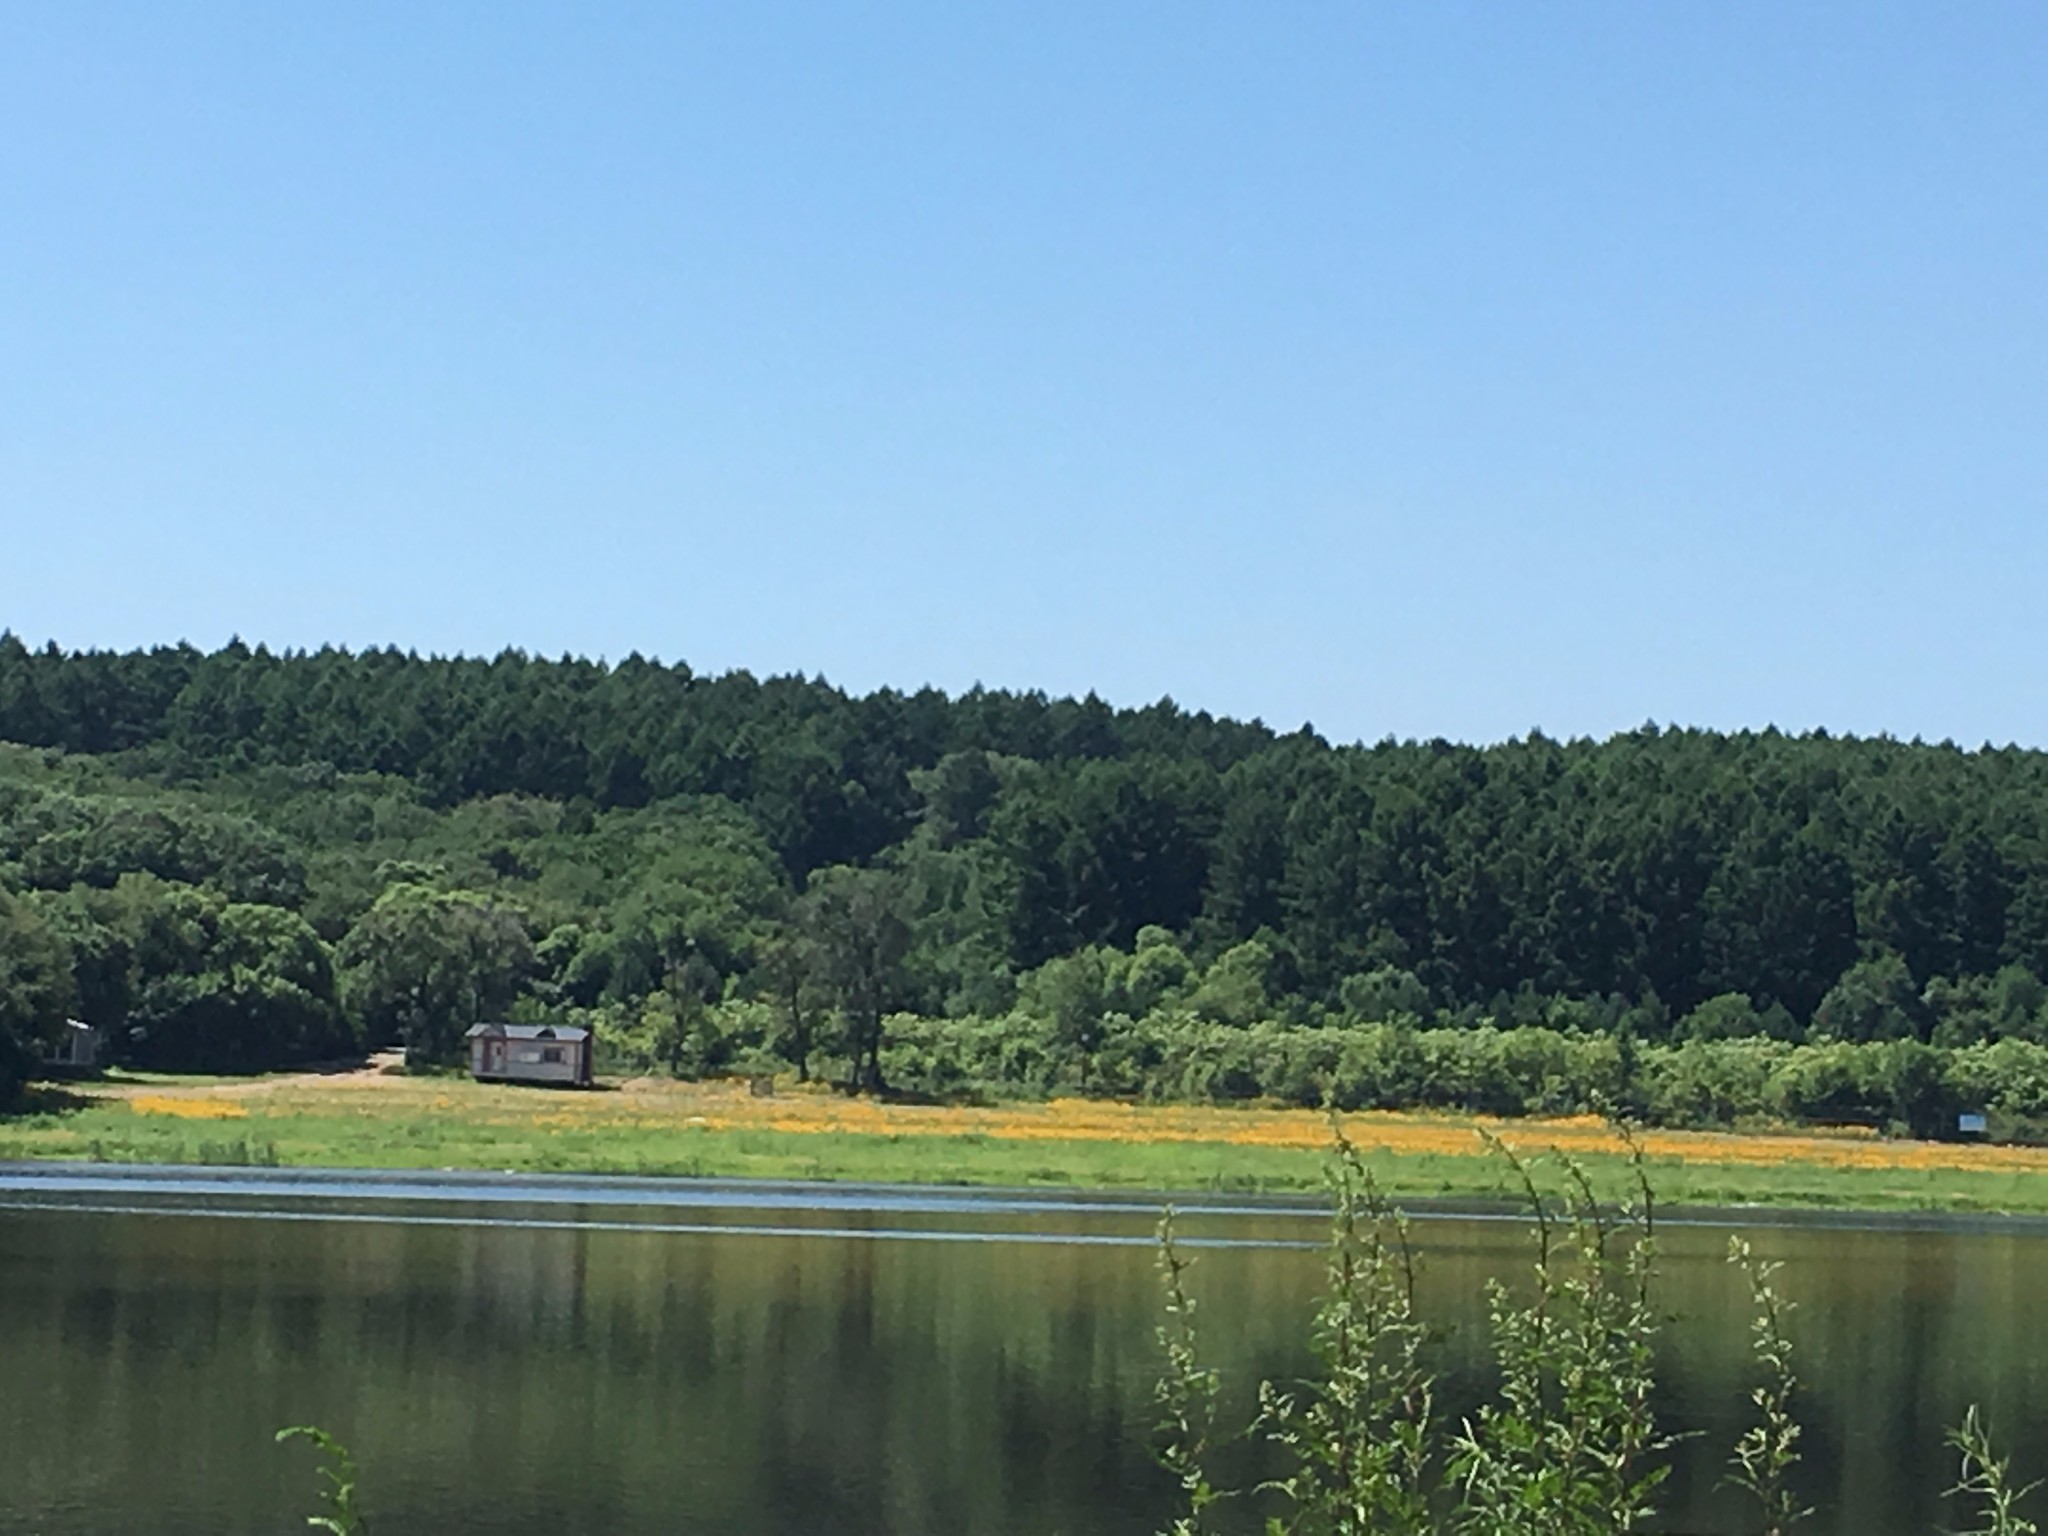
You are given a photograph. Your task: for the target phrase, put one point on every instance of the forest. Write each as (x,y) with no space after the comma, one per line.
(241,859)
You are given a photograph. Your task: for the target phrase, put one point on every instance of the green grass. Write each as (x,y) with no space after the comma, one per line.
(115,1135)
(450,1124)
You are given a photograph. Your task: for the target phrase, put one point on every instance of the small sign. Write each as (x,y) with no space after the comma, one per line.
(1971,1125)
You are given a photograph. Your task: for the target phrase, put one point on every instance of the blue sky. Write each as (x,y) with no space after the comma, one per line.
(1414,370)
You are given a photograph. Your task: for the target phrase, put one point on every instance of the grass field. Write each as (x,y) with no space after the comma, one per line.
(378,1119)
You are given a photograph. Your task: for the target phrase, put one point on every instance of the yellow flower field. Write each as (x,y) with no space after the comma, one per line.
(651,1104)
(1308,1130)
(373,1118)
(187,1108)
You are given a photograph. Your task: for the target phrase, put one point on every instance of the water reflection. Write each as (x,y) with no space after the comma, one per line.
(549,1378)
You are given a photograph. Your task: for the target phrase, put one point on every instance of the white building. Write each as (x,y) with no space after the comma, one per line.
(530,1053)
(78,1048)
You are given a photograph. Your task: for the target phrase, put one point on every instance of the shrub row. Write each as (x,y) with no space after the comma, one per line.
(1900,1086)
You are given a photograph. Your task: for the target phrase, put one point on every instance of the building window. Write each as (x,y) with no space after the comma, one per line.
(552,1055)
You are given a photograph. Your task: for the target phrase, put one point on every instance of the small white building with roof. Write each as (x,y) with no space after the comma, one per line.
(78,1048)
(531,1053)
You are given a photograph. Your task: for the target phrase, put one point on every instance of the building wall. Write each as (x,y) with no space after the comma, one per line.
(525,1063)
(78,1048)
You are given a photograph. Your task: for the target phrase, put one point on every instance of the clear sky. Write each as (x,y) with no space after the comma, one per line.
(1412,369)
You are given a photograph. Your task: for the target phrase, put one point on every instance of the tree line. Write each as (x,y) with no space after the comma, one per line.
(242,858)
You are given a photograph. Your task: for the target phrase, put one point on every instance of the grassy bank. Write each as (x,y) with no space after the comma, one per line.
(652,1127)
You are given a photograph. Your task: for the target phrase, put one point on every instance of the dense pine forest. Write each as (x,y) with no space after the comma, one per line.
(241,859)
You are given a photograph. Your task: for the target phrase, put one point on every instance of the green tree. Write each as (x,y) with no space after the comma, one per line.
(36,991)
(1875,1000)
(655,817)
(226,986)
(959,793)
(422,965)
(1385,993)
(1158,973)
(859,933)
(1234,990)
(789,972)
(686,1036)
(1730,1016)
(2019,1004)
(93,924)
(1074,993)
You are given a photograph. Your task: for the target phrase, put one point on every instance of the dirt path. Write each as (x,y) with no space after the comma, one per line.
(382,1069)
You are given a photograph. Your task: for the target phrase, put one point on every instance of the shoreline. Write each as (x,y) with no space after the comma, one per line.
(73,1187)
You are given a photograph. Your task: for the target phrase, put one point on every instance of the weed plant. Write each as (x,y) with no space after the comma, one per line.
(337,1482)
(1986,1479)
(1768,1450)
(1566,1445)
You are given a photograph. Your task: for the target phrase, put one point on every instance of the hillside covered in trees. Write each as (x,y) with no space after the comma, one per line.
(241,859)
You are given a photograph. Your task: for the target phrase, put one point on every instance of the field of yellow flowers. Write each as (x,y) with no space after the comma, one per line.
(373,1118)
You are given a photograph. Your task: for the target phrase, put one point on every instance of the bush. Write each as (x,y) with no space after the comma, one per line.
(1566,1444)
(1900,1086)
(1892,1084)
(1566,1441)
(1708,1082)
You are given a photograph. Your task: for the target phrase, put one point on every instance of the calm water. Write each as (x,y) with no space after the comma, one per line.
(533,1358)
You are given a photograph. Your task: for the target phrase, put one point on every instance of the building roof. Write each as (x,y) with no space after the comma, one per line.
(529,1031)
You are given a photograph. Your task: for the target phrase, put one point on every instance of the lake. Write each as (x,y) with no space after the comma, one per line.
(529,1357)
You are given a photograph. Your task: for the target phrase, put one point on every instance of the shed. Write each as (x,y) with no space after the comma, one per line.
(530,1053)
(78,1048)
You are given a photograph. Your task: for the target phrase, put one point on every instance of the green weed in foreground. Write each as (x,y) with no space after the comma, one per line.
(1986,1477)
(1768,1450)
(1566,1445)
(337,1478)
